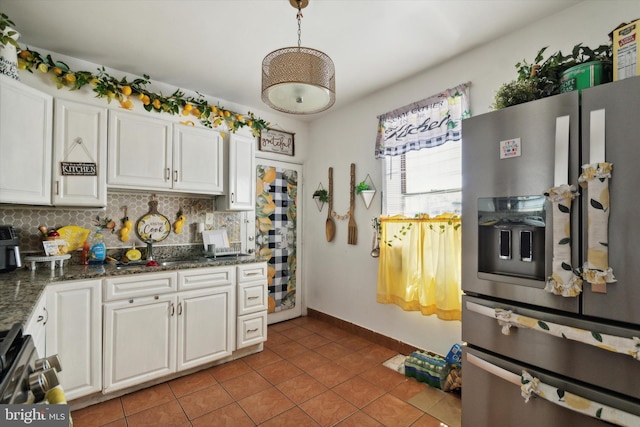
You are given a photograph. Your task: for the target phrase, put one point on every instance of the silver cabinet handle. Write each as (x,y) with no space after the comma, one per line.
(179,308)
(167,174)
(252,330)
(175,175)
(253,297)
(173,309)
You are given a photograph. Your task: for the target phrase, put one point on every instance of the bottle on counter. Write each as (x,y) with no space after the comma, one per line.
(84,257)
(98,250)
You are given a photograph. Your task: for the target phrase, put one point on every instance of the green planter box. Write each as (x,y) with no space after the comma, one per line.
(583,76)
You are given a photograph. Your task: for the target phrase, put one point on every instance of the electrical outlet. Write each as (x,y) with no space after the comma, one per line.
(208,219)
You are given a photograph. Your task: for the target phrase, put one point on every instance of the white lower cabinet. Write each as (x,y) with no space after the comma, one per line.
(251,329)
(186,320)
(251,324)
(36,325)
(74,332)
(205,326)
(206,315)
(139,340)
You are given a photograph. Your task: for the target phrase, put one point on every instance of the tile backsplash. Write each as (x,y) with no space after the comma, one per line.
(26,219)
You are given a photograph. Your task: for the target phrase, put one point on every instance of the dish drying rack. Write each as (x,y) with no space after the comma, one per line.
(234,248)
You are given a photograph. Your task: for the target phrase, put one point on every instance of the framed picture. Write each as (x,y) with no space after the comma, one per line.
(277,141)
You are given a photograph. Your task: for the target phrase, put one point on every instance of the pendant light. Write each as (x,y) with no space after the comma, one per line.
(298,80)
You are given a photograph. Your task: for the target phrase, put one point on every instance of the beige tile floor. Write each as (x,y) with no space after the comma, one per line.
(309,374)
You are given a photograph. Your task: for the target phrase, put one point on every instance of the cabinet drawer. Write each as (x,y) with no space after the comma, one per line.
(139,285)
(251,329)
(252,272)
(205,278)
(252,297)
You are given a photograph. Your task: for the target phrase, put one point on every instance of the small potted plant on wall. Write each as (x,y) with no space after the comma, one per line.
(321,196)
(365,190)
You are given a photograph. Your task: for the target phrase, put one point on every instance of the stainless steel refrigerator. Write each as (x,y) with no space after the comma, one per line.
(520,334)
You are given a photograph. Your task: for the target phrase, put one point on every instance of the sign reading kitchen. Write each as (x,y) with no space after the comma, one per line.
(78,169)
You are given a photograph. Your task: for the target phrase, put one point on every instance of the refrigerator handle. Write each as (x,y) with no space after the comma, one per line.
(530,385)
(561,162)
(508,318)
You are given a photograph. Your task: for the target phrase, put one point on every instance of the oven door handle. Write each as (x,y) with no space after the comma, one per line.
(508,318)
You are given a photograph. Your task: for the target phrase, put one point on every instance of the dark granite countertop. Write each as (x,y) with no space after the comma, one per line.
(21,289)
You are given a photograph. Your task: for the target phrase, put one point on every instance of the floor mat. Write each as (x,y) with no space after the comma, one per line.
(396,363)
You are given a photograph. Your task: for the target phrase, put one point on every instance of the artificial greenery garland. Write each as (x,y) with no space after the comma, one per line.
(107,86)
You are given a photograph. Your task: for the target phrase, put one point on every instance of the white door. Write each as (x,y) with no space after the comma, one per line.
(74,332)
(80,137)
(205,325)
(139,341)
(26,117)
(242,165)
(197,160)
(278,235)
(140,154)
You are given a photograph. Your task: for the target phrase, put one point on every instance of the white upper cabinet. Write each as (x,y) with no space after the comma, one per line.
(26,117)
(139,151)
(241,174)
(80,137)
(155,154)
(197,160)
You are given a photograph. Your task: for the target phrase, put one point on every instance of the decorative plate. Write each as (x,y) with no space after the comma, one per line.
(153,226)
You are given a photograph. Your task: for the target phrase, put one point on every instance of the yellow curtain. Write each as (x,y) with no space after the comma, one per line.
(419,266)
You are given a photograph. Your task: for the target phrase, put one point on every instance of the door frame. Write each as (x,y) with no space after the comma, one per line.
(300,309)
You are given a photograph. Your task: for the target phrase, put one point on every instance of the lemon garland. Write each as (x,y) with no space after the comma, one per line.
(106,86)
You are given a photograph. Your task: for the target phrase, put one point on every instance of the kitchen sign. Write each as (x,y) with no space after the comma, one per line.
(276,141)
(78,169)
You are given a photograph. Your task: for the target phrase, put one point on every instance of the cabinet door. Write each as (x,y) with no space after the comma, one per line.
(140,340)
(139,151)
(36,325)
(74,332)
(25,144)
(241,175)
(252,297)
(197,160)
(206,321)
(80,137)
(252,329)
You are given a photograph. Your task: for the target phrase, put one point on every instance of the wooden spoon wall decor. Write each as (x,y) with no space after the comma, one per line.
(330,228)
(352,238)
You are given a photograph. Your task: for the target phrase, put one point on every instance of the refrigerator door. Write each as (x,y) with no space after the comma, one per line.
(508,159)
(621,104)
(491,401)
(570,358)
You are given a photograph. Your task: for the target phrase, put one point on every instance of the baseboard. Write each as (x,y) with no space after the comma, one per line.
(393,344)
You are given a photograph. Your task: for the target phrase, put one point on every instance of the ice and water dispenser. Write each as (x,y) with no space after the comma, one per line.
(511,236)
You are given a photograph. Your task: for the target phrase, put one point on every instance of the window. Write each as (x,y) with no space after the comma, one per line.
(420,147)
(425,181)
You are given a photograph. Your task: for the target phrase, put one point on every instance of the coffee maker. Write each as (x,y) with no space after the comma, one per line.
(9,249)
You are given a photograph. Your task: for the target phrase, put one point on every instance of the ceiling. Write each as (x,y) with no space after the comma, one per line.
(216,47)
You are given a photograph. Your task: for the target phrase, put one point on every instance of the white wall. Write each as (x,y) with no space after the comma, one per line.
(341,278)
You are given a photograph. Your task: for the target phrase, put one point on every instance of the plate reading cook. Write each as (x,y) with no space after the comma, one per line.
(155,227)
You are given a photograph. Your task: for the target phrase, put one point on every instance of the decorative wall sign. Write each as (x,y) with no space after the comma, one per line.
(277,141)
(78,169)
